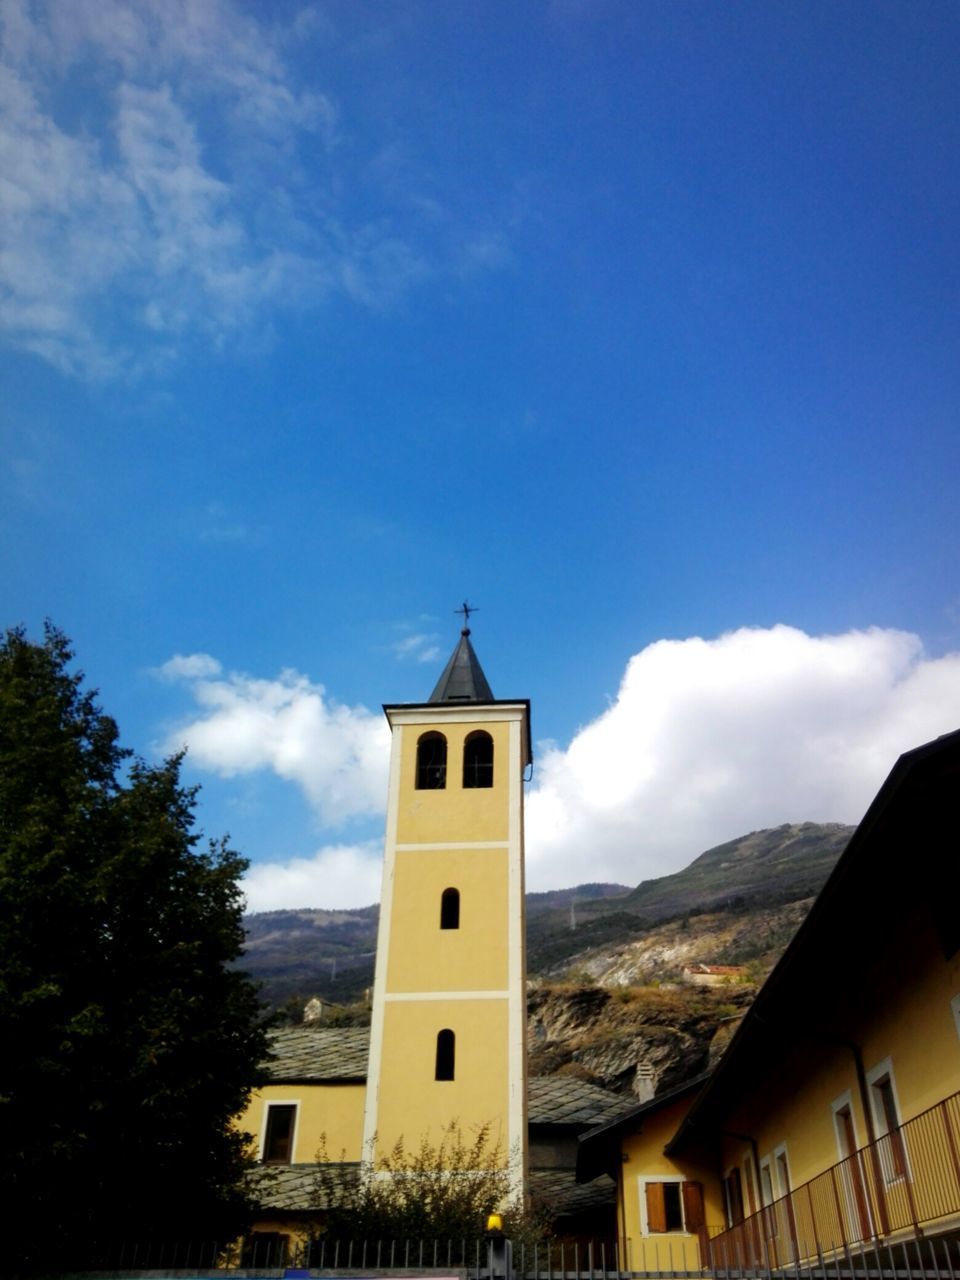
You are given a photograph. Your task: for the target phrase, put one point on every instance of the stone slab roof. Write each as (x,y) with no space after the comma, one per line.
(567,1100)
(559,1189)
(305,1054)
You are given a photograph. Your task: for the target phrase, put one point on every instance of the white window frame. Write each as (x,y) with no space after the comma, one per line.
(642,1192)
(845,1103)
(751,1203)
(884,1070)
(769,1217)
(728,1207)
(294,1133)
(777,1153)
(955,1010)
(766,1163)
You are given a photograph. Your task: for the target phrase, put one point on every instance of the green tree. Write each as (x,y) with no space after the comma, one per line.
(129,1038)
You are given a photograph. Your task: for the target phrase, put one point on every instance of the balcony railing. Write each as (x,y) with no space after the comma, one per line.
(906,1181)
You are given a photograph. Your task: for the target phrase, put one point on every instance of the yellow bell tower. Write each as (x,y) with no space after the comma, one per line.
(448,1031)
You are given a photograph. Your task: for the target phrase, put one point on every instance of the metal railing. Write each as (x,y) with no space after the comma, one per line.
(904,1181)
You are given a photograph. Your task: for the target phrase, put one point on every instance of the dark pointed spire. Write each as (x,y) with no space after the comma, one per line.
(463,679)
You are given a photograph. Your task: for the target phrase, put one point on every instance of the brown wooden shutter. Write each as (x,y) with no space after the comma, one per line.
(692,1206)
(656,1208)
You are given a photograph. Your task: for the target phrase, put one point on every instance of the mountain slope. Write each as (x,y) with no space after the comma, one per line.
(727,904)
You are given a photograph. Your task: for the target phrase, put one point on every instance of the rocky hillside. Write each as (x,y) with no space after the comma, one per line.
(637,1041)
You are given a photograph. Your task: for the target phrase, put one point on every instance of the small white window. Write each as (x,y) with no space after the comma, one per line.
(955,1010)
(279,1133)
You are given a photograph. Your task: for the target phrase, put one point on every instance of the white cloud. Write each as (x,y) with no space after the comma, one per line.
(336,754)
(341,875)
(189,666)
(706,740)
(709,739)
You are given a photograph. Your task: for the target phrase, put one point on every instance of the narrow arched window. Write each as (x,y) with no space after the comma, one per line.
(478,760)
(446,1050)
(450,909)
(431,762)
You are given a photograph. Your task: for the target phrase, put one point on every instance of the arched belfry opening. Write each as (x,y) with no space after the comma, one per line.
(478,759)
(431,762)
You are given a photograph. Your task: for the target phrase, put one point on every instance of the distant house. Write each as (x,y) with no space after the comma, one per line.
(831,1124)
(713,975)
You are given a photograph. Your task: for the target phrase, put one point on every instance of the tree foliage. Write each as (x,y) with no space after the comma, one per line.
(442,1190)
(129,1039)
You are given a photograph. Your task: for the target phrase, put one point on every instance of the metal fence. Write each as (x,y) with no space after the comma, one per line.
(274,1253)
(267,1255)
(907,1179)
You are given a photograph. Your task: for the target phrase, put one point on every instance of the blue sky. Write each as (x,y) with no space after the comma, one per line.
(635,323)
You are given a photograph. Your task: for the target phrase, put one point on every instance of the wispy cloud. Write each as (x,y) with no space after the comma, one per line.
(417,648)
(164,175)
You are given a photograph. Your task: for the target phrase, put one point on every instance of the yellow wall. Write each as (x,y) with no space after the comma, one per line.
(898,1008)
(643,1159)
(472,813)
(412,1103)
(424,957)
(332,1109)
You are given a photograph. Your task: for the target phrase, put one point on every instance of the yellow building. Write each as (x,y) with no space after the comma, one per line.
(831,1125)
(448,1029)
(312,1110)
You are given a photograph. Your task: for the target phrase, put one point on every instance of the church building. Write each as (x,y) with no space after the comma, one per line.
(447,1040)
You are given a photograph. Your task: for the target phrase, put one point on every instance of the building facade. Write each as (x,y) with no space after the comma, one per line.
(831,1124)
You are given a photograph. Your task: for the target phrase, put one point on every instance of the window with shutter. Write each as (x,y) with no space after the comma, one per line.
(666,1204)
(656,1211)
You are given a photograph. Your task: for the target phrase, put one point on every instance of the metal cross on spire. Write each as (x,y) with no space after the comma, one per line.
(466,610)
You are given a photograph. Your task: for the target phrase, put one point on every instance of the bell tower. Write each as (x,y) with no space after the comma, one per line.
(448,1030)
